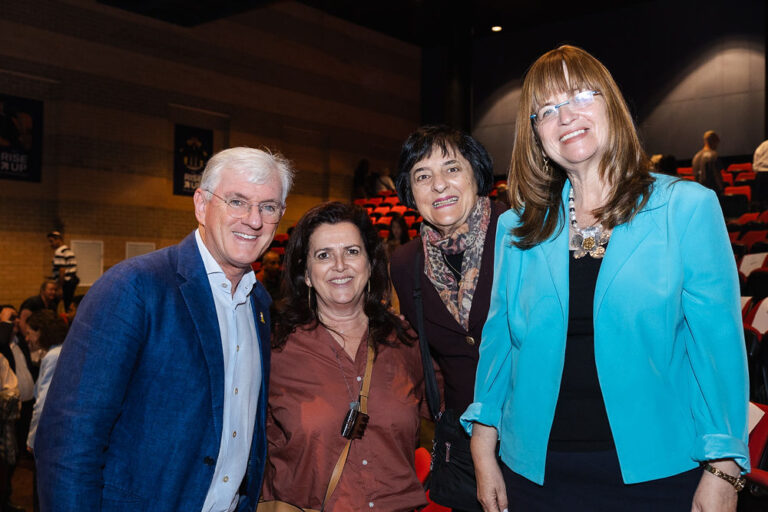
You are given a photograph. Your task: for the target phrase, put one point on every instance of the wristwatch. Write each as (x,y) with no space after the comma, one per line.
(738,482)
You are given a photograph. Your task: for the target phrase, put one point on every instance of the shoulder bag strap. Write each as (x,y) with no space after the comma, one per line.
(430,379)
(336,475)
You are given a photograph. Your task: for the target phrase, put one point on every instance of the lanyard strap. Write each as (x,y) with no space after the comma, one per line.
(336,475)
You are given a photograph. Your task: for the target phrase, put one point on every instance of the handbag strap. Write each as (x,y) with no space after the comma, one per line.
(430,379)
(336,474)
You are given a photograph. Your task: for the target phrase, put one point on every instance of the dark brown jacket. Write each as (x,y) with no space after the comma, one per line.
(454,348)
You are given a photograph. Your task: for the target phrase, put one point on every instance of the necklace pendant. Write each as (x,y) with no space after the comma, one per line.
(591,240)
(598,253)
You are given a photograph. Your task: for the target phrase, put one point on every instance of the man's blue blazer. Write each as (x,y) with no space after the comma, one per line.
(132,421)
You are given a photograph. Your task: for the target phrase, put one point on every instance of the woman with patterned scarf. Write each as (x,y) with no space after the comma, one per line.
(447,175)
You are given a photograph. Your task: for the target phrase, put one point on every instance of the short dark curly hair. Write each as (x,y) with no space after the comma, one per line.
(423,141)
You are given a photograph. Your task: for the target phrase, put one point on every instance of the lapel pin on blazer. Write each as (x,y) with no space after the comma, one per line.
(261,317)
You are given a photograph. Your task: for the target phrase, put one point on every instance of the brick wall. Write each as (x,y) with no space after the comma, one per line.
(322,91)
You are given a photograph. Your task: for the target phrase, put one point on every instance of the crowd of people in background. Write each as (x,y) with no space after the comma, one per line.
(30,339)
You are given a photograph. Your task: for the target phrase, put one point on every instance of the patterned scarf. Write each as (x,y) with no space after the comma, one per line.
(469,239)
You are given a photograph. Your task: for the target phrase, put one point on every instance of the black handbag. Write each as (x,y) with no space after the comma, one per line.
(452,474)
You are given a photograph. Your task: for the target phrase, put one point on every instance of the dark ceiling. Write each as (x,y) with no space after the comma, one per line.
(422,22)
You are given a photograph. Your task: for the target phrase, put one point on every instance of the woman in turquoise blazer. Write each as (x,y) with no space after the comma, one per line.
(613,354)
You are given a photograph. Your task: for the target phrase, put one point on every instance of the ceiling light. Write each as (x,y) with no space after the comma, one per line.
(496,28)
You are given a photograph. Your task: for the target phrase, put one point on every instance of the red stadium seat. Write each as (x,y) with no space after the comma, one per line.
(423,462)
(757,288)
(382,210)
(727,178)
(758,439)
(685,171)
(384,234)
(746,176)
(392,201)
(360,202)
(747,166)
(399,209)
(744,190)
(751,262)
(750,237)
(748,217)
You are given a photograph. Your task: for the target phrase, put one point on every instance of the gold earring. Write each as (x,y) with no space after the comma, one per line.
(547,167)
(369,287)
(309,297)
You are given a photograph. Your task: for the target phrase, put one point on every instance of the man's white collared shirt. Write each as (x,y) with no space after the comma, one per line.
(242,381)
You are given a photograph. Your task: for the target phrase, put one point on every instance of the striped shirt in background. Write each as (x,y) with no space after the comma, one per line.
(64,258)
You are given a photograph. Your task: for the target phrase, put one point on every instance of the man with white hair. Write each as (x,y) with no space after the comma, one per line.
(707,165)
(159,399)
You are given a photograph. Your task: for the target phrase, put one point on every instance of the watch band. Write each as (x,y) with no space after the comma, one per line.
(738,482)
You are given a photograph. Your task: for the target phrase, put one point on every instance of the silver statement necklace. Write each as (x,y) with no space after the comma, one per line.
(591,240)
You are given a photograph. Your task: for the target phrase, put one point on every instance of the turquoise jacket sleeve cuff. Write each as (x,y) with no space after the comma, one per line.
(721,446)
(476,413)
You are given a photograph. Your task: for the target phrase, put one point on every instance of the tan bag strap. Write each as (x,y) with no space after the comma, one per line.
(336,475)
(367,379)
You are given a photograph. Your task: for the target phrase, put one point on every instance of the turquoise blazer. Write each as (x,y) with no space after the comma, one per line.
(669,344)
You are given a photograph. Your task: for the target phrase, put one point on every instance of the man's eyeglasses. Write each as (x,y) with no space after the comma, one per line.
(577,102)
(270,211)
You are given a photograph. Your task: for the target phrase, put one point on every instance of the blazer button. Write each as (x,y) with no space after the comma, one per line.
(470,340)
(208,461)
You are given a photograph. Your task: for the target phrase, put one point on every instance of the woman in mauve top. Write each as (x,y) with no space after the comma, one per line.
(337,296)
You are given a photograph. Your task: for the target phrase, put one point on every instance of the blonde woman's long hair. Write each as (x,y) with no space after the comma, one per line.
(535,189)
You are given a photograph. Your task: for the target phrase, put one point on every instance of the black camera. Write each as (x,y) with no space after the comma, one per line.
(354,424)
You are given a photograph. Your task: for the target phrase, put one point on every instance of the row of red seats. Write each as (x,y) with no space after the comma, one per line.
(749,230)
(377,201)
(742,178)
(733,168)
(388,210)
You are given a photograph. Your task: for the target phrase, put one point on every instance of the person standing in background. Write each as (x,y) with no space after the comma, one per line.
(269,274)
(707,165)
(63,267)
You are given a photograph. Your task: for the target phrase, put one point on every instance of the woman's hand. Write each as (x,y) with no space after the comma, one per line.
(715,494)
(491,491)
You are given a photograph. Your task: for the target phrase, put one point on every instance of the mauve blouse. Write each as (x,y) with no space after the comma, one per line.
(308,400)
